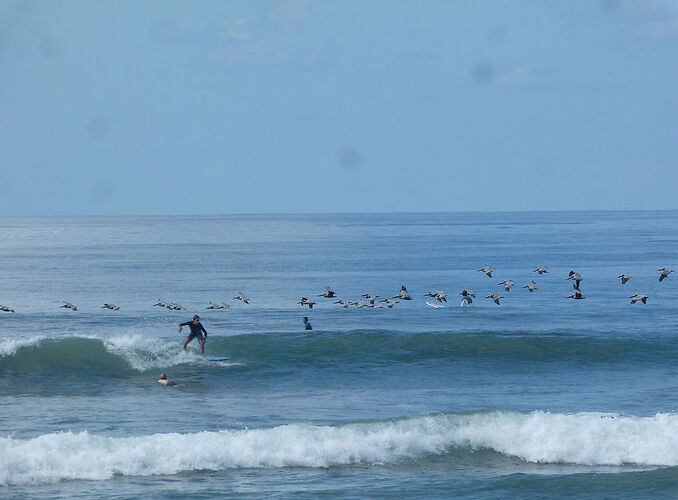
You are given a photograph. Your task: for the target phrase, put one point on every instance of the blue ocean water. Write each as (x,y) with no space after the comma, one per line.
(541,396)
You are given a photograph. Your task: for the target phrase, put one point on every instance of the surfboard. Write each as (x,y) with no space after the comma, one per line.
(217,358)
(437,306)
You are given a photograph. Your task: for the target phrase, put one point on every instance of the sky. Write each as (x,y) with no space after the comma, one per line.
(230,107)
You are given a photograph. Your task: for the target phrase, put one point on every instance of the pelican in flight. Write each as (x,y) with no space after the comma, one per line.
(439,295)
(241,296)
(541,270)
(6,309)
(576,277)
(224,305)
(495,297)
(636,297)
(468,292)
(531,286)
(403,294)
(213,306)
(665,272)
(112,307)
(370,298)
(329,294)
(359,304)
(68,305)
(507,284)
(389,303)
(487,270)
(162,303)
(176,307)
(576,294)
(624,278)
(306,302)
(344,303)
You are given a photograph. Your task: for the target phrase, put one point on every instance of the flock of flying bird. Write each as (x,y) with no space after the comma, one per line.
(371,299)
(468,295)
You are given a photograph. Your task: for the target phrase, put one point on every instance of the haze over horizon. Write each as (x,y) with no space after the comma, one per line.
(153,108)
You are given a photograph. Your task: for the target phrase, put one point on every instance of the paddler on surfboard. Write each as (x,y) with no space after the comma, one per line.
(196,331)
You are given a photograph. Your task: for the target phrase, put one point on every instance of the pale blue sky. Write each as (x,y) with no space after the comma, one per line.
(337,106)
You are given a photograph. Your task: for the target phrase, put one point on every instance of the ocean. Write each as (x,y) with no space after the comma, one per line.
(539,397)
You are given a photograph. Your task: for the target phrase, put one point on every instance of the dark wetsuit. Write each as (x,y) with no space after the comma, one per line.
(196,330)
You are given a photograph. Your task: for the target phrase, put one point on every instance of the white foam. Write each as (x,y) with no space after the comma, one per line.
(145,353)
(586,439)
(9,346)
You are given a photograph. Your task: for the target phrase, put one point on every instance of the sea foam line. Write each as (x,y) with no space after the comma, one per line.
(539,437)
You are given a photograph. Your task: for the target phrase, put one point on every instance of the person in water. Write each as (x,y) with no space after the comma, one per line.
(307,324)
(163,380)
(196,331)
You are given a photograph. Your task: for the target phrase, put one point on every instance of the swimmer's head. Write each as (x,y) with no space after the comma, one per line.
(196,317)
(163,377)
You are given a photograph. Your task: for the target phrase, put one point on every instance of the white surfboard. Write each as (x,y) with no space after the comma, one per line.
(436,306)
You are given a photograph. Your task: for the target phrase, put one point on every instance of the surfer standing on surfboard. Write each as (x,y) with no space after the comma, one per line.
(196,331)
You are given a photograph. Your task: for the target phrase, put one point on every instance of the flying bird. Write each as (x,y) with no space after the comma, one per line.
(370,298)
(359,304)
(389,303)
(576,277)
(507,284)
(6,309)
(577,295)
(531,286)
(176,307)
(68,305)
(487,270)
(541,270)
(306,302)
(469,292)
(636,297)
(241,296)
(439,295)
(403,294)
(112,307)
(624,278)
(495,297)
(162,303)
(344,303)
(329,294)
(665,272)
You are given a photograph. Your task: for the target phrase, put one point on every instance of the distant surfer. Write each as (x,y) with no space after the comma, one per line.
(307,324)
(163,380)
(196,331)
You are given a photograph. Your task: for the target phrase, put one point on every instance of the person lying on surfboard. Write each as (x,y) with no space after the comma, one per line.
(163,380)
(196,331)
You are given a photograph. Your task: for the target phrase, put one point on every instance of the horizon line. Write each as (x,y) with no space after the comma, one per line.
(274,214)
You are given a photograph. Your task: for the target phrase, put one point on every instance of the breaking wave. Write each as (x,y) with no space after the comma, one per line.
(587,439)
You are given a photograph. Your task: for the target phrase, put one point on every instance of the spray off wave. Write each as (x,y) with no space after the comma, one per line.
(539,437)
